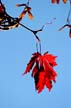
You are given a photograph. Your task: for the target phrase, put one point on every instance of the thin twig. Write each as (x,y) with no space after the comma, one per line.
(26,27)
(66,25)
(69,13)
(38,47)
(48,23)
(35,34)
(33,31)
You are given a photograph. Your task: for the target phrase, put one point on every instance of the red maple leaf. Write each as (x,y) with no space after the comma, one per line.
(42,70)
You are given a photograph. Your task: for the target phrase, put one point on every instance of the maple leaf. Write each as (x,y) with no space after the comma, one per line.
(31,62)
(42,70)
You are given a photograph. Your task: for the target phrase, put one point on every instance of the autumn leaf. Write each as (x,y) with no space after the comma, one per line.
(64,1)
(31,62)
(55,1)
(27,9)
(42,70)
(1,9)
(58,1)
(30,15)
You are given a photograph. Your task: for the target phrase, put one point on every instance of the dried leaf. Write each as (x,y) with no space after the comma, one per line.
(57,1)
(30,15)
(22,15)
(64,1)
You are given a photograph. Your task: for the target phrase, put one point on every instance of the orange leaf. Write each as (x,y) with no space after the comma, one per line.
(64,1)
(53,1)
(30,15)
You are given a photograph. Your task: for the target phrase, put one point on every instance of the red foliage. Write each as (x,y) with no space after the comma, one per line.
(57,1)
(42,70)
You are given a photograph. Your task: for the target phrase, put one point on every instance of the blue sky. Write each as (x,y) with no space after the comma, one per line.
(16,48)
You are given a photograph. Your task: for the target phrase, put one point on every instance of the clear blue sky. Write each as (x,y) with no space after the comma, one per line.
(16,48)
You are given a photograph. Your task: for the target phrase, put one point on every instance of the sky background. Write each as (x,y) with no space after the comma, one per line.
(16,48)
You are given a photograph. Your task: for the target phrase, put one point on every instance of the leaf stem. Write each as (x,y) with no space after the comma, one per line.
(69,13)
(38,44)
